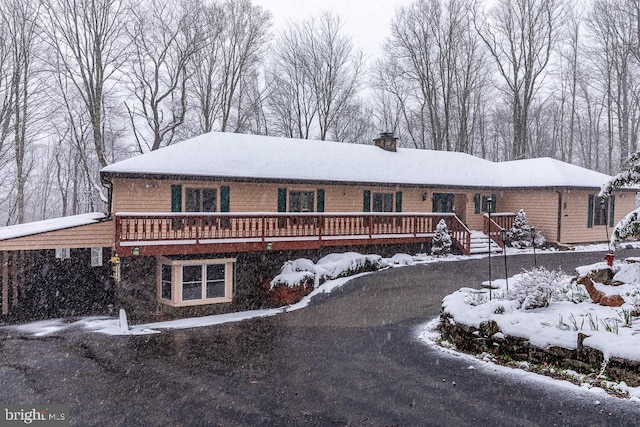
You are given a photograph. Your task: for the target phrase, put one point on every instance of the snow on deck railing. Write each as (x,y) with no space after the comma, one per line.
(219,226)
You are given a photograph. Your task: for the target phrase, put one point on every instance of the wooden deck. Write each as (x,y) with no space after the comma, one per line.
(199,233)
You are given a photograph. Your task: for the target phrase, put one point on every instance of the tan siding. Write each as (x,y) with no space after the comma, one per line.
(575,216)
(140,195)
(541,207)
(86,236)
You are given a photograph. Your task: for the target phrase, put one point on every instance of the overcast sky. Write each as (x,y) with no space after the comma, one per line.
(366,21)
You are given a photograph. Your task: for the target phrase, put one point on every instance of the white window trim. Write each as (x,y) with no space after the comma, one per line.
(176,281)
(96,257)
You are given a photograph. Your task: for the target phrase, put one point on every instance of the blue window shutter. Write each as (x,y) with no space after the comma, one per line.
(225,198)
(398,201)
(282,199)
(612,208)
(366,203)
(590,211)
(176,205)
(320,203)
(495,203)
(176,198)
(476,202)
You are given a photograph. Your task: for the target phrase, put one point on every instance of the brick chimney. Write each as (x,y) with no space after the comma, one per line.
(386,141)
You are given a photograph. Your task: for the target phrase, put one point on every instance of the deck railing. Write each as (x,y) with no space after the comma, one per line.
(499,221)
(143,229)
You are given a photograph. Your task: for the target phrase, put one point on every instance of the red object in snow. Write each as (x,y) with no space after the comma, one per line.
(609,258)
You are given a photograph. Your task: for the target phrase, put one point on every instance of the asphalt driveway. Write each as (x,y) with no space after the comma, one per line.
(350,358)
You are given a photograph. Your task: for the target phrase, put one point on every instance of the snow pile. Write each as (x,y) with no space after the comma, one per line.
(303,271)
(612,330)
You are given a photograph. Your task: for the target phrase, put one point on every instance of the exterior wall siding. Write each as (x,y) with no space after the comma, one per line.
(140,195)
(575,216)
(540,206)
(101,234)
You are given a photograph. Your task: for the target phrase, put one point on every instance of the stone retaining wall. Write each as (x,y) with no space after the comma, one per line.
(582,359)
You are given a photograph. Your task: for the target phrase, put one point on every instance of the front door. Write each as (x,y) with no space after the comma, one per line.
(461,207)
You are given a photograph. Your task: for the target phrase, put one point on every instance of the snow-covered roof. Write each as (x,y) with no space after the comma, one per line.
(31,228)
(242,156)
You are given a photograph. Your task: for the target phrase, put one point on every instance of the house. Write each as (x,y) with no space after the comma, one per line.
(196,227)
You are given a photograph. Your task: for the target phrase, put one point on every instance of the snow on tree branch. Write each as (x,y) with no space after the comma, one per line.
(629,226)
(628,176)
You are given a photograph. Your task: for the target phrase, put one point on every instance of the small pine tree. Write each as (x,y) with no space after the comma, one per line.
(521,235)
(441,244)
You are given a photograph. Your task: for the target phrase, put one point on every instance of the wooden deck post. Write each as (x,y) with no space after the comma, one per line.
(5,283)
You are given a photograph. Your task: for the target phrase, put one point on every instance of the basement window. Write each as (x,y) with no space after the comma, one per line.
(63,253)
(195,282)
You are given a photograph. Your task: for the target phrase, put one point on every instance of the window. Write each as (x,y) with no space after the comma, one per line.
(96,257)
(301,201)
(443,202)
(63,253)
(200,200)
(600,211)
(480,202)
(165,282)
(195,282)
(382,202)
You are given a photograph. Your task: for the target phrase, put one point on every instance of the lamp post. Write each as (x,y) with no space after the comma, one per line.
(603,210)
(489,210)
(504,235)
(533,243)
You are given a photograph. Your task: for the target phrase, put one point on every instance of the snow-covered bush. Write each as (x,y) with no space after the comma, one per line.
(441,244)
(536,287)
(572,292)
(303,272)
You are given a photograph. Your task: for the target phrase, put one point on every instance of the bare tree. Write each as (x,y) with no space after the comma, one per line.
(434,70)
(164,39)
(520,36)
(333,66)
(244,38)
(614,31)
(291,98)
(86,36)
(21,31)
(207,69)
